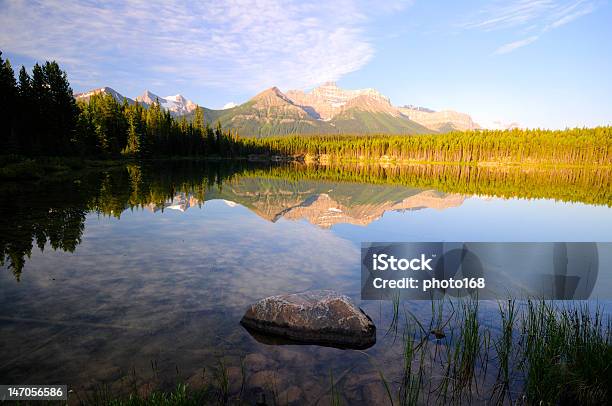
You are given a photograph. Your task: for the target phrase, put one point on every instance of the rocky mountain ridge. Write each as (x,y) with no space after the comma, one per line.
(328,100)
(178,105)
(85,96)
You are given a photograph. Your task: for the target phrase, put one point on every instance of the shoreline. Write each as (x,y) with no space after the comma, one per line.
(16,167)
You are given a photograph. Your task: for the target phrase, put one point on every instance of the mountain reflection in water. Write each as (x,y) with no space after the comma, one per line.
(319,209)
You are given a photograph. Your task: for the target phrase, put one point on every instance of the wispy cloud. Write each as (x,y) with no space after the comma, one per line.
(502,15)
(522,16)
(570,13)
(234,43)
(504,49)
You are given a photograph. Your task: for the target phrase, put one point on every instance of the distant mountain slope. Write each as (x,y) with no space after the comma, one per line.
(374,115)
(268,113)
(356,121)
(442,121)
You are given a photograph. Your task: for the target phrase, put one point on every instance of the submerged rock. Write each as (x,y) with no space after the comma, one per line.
(315,317)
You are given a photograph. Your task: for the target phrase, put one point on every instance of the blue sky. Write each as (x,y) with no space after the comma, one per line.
(541,63)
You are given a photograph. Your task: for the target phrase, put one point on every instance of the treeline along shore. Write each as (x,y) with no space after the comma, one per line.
(579,146)
(40,117)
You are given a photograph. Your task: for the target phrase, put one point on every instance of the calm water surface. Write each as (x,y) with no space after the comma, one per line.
(139,276)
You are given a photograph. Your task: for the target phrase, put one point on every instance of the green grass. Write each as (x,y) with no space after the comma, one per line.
(567,355)
(181,396)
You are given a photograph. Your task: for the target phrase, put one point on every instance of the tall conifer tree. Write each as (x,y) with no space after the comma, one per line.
(8,102)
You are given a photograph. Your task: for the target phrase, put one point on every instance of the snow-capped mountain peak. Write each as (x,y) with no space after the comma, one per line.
(177,98)
(148,98)
(177,105)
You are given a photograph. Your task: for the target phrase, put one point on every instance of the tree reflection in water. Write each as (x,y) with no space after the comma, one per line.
(53,211)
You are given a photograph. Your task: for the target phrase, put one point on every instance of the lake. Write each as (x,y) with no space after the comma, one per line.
(136,276)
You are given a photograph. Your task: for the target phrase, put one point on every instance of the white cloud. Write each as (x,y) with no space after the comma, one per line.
(228,105)
(523,16)
(245,44)
(506,48)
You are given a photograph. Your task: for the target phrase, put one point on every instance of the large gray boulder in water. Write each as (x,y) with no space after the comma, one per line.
(316,317)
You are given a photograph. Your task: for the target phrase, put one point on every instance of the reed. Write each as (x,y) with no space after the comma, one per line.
(411,382)
(504,347)
(334,393)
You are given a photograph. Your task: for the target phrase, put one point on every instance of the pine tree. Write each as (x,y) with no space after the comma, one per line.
(63,111)
(198,119)
(210,140)
(8,104)
(22,134)
(41,117)
(136,141)
(50,122)
(86,131)
(154,131)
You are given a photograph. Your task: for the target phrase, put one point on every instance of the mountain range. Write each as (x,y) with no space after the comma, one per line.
(326,109)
